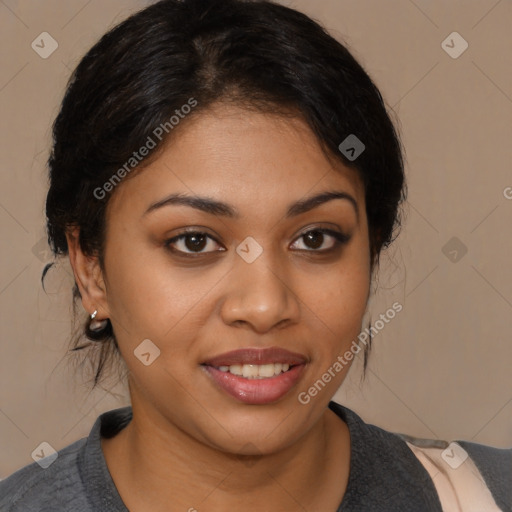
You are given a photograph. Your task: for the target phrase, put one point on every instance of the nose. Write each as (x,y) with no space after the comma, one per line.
(260,297)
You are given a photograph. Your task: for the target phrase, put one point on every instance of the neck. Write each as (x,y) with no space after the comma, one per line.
(154,465)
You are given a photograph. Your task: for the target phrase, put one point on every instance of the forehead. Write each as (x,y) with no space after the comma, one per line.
(254,160)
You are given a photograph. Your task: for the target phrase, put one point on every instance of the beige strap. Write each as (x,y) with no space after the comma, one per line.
(459,484)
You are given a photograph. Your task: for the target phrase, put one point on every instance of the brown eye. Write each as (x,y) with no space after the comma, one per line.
(314,239)
(195,242)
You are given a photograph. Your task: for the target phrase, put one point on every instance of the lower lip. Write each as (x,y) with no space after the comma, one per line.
(256,391)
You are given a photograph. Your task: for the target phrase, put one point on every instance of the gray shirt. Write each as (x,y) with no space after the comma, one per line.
(385,476)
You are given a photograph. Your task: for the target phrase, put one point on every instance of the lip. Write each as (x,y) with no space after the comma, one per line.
(257,356)
(256,391)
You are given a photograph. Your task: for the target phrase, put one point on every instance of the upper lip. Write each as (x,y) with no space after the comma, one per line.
(257,356)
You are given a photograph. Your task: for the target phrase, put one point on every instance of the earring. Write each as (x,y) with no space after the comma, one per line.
(97,325)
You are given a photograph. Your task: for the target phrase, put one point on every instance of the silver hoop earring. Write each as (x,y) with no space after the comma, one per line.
(97,325)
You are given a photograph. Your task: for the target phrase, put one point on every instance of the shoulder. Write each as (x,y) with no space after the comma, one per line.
(495,465)
(41,487)
(75,478)
(467,474)
(384,472)
(426,472)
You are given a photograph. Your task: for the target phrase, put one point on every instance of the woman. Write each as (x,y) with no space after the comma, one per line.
(223,179)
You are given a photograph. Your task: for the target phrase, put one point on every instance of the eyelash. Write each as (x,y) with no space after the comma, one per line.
(340,239)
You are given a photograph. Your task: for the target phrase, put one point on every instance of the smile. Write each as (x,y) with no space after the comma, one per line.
(256,376)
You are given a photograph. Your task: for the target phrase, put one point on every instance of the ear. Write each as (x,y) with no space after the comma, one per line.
(88,277)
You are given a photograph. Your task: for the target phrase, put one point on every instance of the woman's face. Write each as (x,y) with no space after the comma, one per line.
(259,275)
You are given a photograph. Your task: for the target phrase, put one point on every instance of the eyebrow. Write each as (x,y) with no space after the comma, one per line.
(214,207)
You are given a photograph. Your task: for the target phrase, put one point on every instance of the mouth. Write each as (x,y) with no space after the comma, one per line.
(256,376)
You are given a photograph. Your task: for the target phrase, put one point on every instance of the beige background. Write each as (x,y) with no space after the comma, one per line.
(441,368)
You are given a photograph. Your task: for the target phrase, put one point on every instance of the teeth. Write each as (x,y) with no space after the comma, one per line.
(268,370)
(255,371)
(250,370)
(236,369)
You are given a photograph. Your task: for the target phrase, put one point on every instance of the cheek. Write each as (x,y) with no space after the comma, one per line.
(147,295)
(337,303)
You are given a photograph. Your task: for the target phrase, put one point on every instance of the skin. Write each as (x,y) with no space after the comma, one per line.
(190,445)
